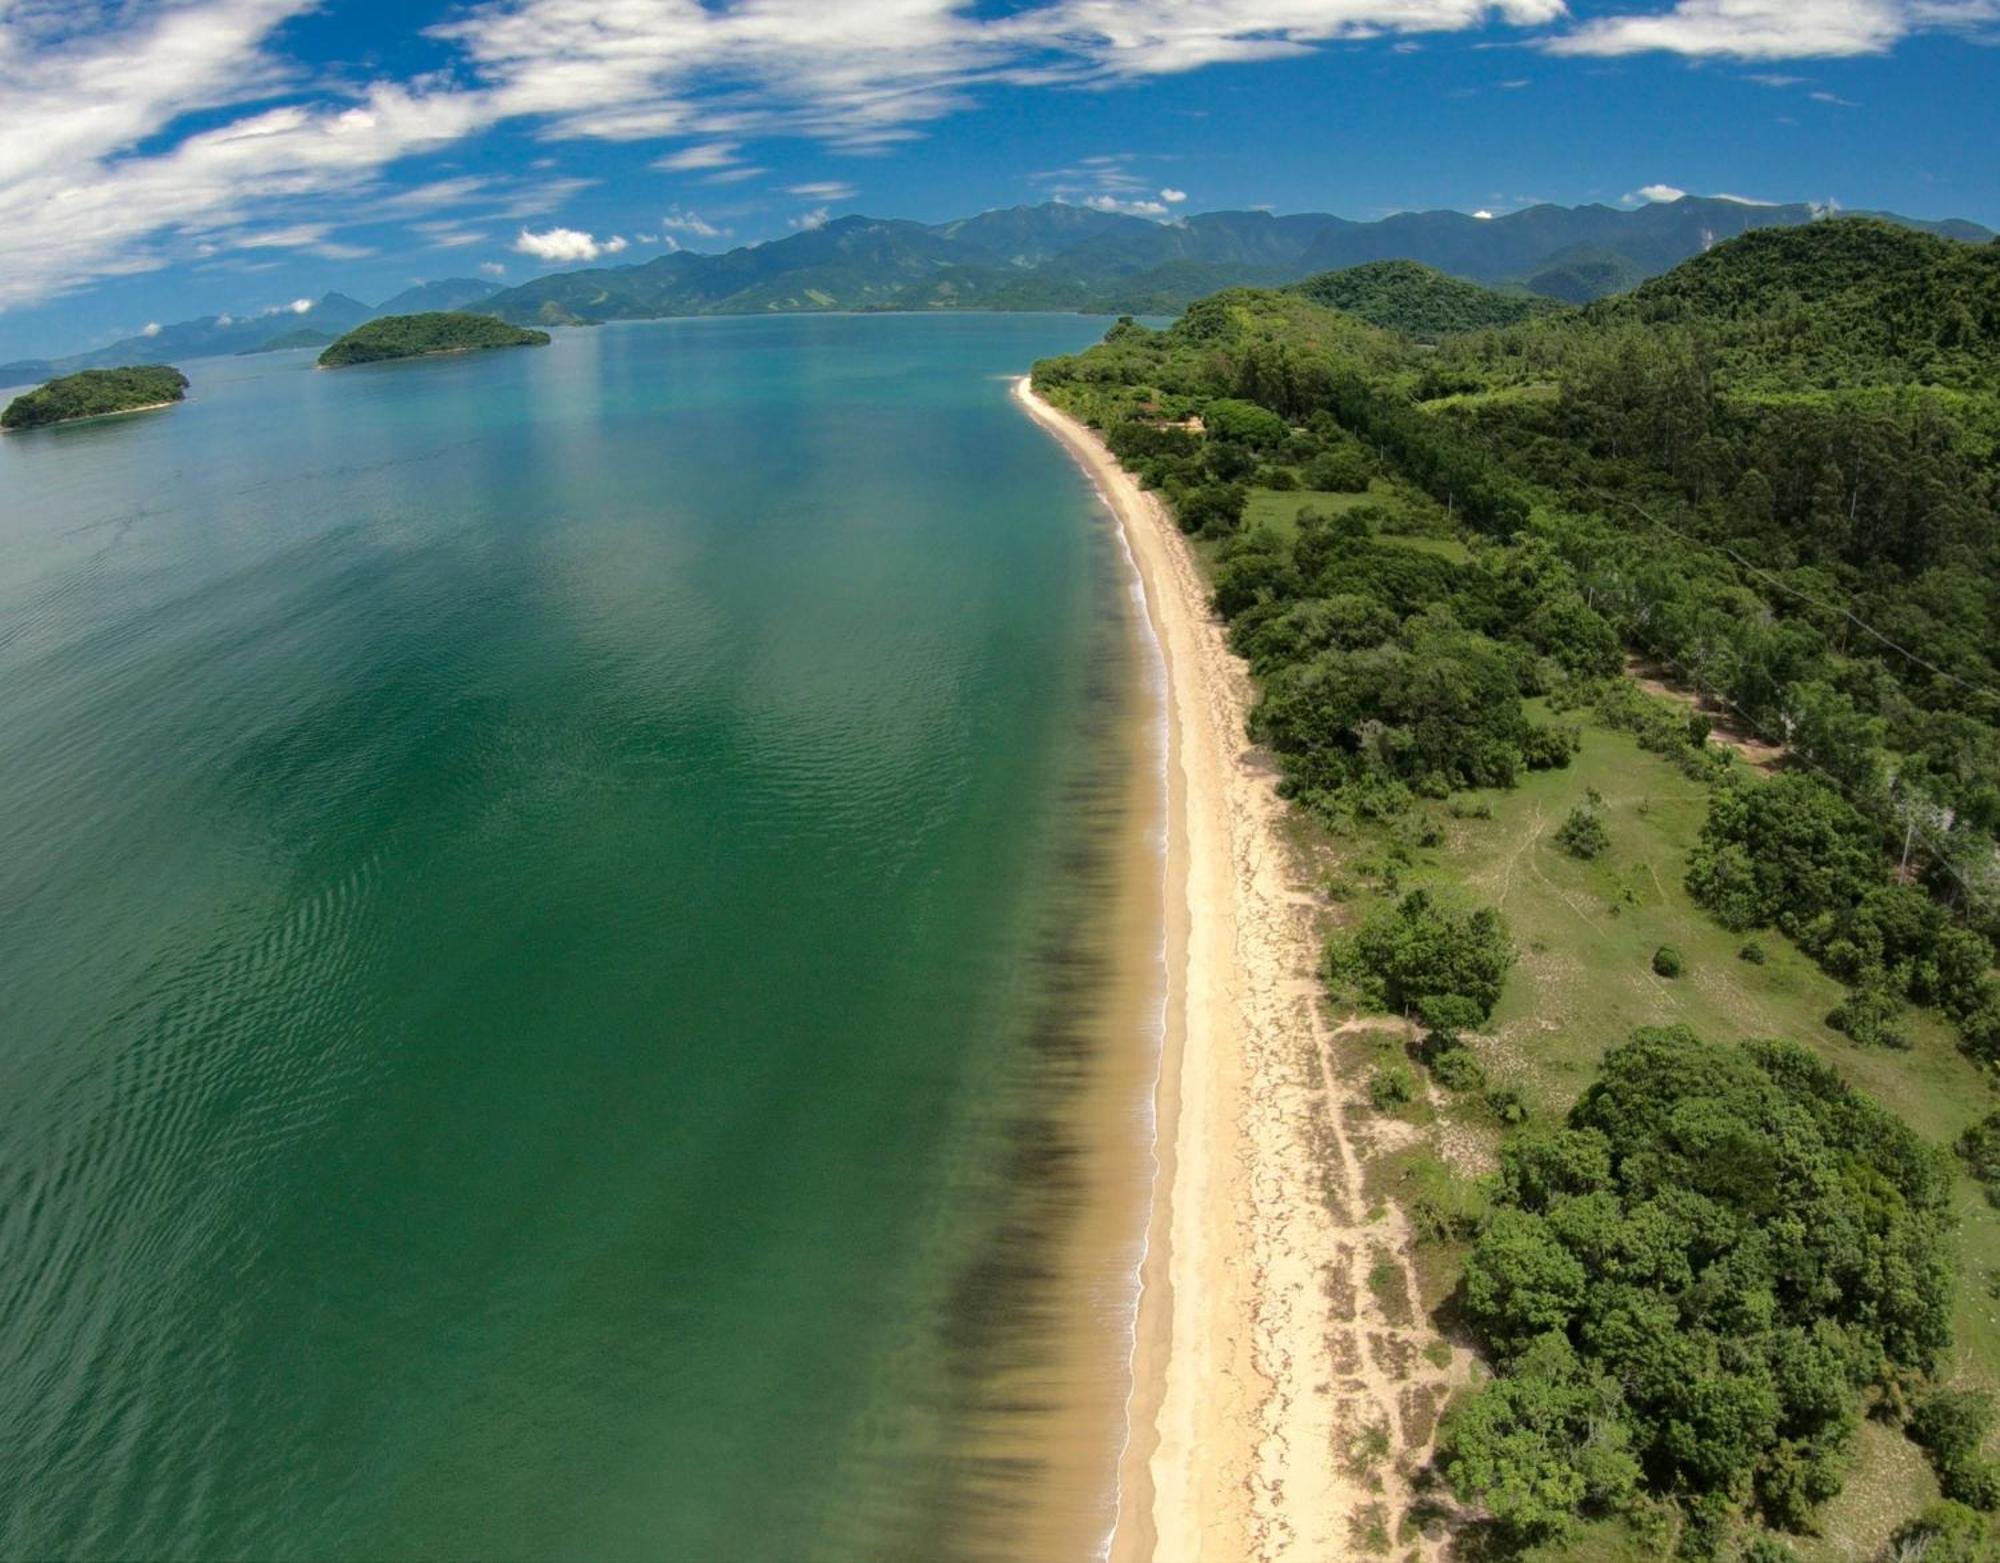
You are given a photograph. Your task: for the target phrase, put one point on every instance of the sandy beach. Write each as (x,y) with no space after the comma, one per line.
(1264,1352)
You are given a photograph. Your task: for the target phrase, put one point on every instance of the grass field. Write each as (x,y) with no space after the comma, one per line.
(1586,932)
(1279,508)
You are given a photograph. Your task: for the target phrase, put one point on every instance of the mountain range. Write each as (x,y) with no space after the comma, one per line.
(1061,257)
(308,324)
(1049,257)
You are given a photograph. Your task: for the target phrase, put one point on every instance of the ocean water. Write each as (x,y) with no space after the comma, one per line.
(544,900)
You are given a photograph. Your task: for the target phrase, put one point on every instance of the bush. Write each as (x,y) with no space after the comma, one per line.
(1944,1533)
(1979,1147)
(1951,1425)
(1753,952)
(1583,835)
(1507,1104)
(1391,1086)
(1868,1016)
(1423,956)
(1456,1069)
(1345,470)
(1212,509)
(1549,748)
(1667,961)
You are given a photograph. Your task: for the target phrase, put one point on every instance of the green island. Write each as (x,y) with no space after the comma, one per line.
(1635,672)
(93,393)
(425,335)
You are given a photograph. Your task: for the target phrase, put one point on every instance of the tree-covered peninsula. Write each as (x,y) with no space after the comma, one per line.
(94,392)
(422,336)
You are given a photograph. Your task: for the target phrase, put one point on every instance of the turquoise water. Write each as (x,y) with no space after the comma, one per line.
(519,889)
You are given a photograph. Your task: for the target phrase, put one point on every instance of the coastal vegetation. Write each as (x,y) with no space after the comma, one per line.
(91,393)
(1657,638)
(425,335)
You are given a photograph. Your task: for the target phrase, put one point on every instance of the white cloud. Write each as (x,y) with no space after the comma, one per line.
(1111,203)
(1483,215)
(1172,196)
(735,176)
(1773,29)
(824,190)
(493,268)
(679,220)
(1657,193)
(715,154)
(165,130)
(151,328)
(555,245)
(298,306)
(614,244)
(805,222)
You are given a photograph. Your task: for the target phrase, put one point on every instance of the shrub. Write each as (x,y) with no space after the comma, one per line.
(1456,1069)
(1868,1016)
(1507,1104)
(1944,1533)
(1549,748)
(1583,835)
(1391,1086)
(1212,509)
(1344,470)
(1950,1425)
(1424,956)
(1752,951)
(1667,961)
(1979,1147)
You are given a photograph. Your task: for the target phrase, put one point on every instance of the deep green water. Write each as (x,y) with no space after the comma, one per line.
(519,878)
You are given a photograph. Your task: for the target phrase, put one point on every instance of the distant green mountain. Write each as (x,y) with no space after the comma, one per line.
(424,336)
(1417,301)
(304,336)
(92,393)
(1063,257)
(445,293)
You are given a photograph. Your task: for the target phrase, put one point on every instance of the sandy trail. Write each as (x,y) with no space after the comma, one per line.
(1278,1323)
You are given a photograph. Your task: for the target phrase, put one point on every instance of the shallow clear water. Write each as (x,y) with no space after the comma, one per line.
(519,879)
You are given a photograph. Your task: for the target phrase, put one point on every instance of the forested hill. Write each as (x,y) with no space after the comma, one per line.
(1417,301)
(1073,258)
(1771,476)
(1838,304)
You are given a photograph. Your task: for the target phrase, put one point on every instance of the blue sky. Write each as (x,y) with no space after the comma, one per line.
(166,160)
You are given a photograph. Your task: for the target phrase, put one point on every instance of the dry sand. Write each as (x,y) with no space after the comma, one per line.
(1270,1335)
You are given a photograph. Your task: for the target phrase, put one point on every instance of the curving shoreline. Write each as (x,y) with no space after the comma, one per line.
(1256,1357)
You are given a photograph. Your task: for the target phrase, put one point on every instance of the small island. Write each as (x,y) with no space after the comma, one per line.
(93,393)
(422,336)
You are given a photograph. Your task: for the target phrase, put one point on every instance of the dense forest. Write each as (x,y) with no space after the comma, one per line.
(91,393)
(420,335)
(1442,535)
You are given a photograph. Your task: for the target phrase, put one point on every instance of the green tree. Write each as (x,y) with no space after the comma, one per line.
(1424,956)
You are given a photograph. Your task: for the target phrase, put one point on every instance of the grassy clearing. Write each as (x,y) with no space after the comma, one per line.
(1279,508)
(1587,932)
